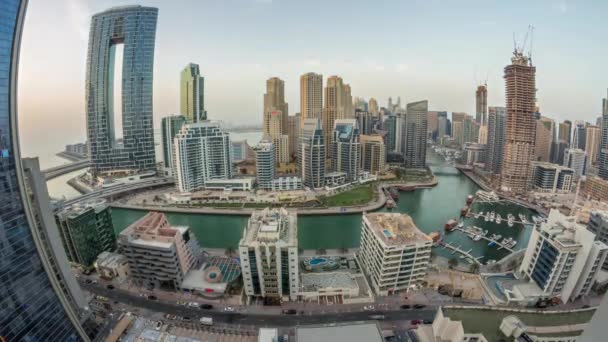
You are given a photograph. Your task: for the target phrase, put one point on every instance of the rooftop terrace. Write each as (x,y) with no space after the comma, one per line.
(395,229)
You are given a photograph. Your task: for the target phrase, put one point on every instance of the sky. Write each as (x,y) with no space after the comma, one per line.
(434,50)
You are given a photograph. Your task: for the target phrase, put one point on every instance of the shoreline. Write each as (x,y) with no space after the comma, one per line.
(374,205)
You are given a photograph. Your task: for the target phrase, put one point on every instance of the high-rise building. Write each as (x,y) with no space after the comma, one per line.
(565,131)
(598,225)
(337,106)
(544,139)
(366,120)
(202,153)
(269,255)
(373,153)
(603,155)
(159,255)
(592,143)
(432,119)
(311,96)
(276,118)
(390,126)
(458,132)
(346,148)
(360,104)
(311,153)
(170,126)
(394,253)
(373,107)
(241,151)
(265,164)
(133,28)
(442,125)
(481,104)
(293,133)
(470,130)
(576,159)
(520,133)
(192,94)
(86,230)
(562,258)
(36,289)
(579,136)
(414,150)
(547,177)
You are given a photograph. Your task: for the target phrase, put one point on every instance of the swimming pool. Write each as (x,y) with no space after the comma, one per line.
(317,261)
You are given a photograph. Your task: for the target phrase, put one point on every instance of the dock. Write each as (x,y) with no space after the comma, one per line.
(501,246)
(482,215)
(455,249)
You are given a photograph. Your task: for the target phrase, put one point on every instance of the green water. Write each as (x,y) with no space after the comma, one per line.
(429,208)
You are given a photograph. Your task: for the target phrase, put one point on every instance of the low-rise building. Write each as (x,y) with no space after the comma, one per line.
(562,258)
(159,254)
(444,329)
(269,255)
(394,253)
(596,188)
(333,179)
(236,184)
(86,230)
(552,178)
(339,286)
(286,184)
(340,332)
(112,266)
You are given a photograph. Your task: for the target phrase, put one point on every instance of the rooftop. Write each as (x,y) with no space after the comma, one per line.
(271,225)
(76,210)
(347,332)
(153,230)
(395,229)
(109,259)
(316,281)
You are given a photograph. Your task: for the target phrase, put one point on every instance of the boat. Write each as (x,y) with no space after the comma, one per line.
(464,211)
(498,218)
(492,244)
(487,216)
(477,238)
(491,262)
(461,225)
(449,226)
(469,199)
(522,218)
(498,237)
(435,236)
(510,219)
(485,232)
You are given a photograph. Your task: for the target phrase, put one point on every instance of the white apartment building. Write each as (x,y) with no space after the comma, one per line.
(394,253)
(563,257)
(269,255)
(576,159)
(287,184)
(265,164)
(202,152)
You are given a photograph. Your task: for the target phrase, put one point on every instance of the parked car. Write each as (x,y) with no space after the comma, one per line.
(151,297)
(377,317)
(110,287)
(186,319)
(419,306)
(406,306)
(428,321)
(158,325)
(290,311)
(368,308)
(193,305)
(415,322)
(206,306)
(228,309)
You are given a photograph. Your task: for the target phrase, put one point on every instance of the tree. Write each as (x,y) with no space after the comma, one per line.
(453,262)
(474,268)
(229,251)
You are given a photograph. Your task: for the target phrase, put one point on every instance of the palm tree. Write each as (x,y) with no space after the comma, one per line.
(453,262)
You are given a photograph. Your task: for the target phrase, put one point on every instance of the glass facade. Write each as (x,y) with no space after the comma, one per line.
(30,309)
(135,28)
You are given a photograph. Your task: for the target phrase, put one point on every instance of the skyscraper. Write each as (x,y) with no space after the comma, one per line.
(544,139)
(373,107)
(202,153)
(433,122)
(265,164)
(373,153)
(293,132)
(497,121)
(192,94)
(337,104)
(603,156)
(390,126)
(366,120)
(520,84)
(481,104)
(35,303)
(311,96)
(592,143)
(275,118)
(414,151)
(565,131)
(311,153)
(170,126)
(576,159)
(134,29)
(346,148)
(578,137)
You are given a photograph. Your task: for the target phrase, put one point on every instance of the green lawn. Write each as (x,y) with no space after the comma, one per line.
(488,321)
(357,196)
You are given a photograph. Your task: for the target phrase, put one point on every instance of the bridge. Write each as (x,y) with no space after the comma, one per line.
(60,170)
(119,190)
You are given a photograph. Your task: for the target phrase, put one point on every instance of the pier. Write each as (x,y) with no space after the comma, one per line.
(482,215)
(501,246)
(460,251)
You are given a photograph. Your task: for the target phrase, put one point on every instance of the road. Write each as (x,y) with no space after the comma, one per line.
(258,319)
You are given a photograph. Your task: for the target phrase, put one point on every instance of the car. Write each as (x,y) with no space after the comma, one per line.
(167,316)
(94,282)
(110,287)
(427,321)
(415,322)
(406,306)
(186,319)
(88,281)
(193,305)
(290,312)
(419,306)
(151,297)
(228,309)
(158,325)
(368,308)
(206,306)
(377,317)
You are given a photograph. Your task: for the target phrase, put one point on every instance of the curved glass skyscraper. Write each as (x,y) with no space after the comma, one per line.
(135,28)
(33,301)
